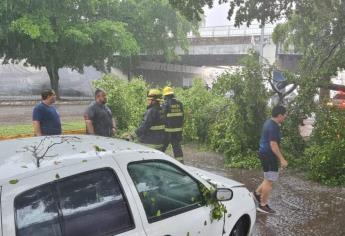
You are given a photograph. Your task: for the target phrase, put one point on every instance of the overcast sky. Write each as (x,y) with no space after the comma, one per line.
(217,16)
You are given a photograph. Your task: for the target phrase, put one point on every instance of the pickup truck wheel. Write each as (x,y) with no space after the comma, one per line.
(239,228)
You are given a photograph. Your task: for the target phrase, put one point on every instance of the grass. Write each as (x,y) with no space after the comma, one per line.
(27,129)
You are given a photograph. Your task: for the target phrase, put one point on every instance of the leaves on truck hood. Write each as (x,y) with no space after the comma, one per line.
(215,180)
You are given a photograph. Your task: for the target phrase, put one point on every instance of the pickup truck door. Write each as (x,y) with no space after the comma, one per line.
(168,198)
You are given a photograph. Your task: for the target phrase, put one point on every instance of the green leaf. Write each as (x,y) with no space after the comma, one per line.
(25,25)
(99,149)
(13,181)
(78,36)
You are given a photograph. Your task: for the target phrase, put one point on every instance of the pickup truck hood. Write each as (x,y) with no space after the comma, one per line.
(219,181)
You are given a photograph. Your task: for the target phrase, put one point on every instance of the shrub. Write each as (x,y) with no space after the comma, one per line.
(237,130)
(126,99)
(327,162)
(325,154)
(292,144)
(199,108)
(227,124)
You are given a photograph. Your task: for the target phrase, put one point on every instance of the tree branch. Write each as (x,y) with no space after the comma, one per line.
(35,150)
(330,53)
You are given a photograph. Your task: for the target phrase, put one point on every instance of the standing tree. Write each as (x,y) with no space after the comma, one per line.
(74,33)
(58,33)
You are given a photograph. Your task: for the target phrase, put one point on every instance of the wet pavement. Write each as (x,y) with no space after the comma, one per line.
(303,207)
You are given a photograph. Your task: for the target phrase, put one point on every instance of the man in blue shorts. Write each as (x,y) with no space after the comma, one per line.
(270,156)
(46,120)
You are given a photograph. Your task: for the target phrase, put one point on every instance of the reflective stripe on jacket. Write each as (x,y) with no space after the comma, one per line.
(151,129)
(173,115)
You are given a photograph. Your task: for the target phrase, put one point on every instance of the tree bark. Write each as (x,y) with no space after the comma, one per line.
(324,91)
(324,94)
(54,79)
(129,68)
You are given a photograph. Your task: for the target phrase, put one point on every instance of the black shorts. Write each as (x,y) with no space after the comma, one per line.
(269,163)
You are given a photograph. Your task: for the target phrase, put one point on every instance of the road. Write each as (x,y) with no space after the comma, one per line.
(22,114)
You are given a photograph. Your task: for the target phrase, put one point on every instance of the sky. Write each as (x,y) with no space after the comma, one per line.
(217,16)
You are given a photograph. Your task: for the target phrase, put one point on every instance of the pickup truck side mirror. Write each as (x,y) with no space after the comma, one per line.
(224,194)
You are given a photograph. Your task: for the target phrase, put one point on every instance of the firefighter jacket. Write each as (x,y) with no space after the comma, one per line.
(151,129)
(173,115)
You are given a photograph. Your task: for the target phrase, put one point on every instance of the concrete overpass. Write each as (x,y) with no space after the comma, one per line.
(214,48)
(211,52)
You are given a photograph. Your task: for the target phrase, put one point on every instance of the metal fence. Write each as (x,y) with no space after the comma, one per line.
(228,31)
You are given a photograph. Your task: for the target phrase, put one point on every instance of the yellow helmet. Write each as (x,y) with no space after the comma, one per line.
(168,91)
(154,93)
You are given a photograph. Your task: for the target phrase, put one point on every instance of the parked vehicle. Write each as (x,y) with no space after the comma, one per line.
(91,186)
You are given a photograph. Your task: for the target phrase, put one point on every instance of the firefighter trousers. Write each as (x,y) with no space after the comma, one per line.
(174,139)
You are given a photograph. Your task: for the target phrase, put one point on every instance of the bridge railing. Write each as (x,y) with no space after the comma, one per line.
(228,31)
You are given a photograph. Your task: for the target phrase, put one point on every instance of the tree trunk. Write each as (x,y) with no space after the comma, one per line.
(324,94)
(54,79)
(129,68)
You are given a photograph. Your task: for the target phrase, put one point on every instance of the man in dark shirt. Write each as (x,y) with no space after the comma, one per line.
(98,116)
(270,155)
(46,120)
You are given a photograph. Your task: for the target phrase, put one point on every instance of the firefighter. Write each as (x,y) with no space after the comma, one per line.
(173,119)
(151,130)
